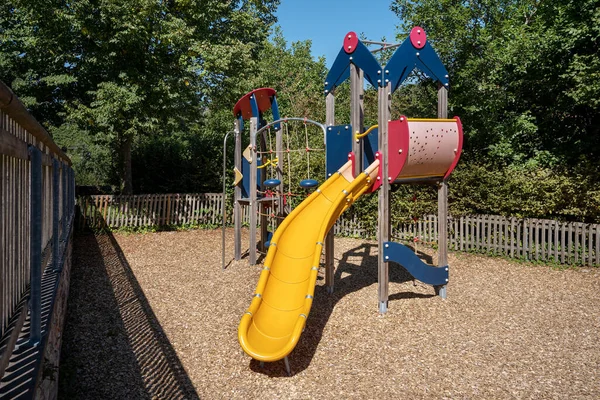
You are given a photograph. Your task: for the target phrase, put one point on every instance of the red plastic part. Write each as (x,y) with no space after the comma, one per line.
(398,144)
(418,37)
(379,178)
(263,98)
(458,148)
(350,42)
(352,157)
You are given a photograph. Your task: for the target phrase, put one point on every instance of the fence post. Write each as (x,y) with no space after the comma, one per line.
(35,249)
(55,214)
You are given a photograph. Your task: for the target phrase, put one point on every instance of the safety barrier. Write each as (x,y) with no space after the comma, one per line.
(36,213)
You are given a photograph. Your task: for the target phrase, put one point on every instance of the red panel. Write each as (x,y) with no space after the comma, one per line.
(263,98)
(379,174)
(398,145)
(350,42)
(418,38)
(458,148)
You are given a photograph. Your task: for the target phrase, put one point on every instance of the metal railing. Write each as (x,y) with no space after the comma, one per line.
(37,201)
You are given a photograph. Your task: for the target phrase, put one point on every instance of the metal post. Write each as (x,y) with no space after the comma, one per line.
(237,193)
(357,114)
(442,201)
(329,239)
(262,206)
(287,366)
(383,198)
(55,214)
(253,194)
(35,249)
(279,151)
(224,200)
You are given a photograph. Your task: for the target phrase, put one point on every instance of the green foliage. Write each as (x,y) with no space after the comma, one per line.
(119,70)
(524,74)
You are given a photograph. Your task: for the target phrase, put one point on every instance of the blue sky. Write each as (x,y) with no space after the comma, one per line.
(325,22)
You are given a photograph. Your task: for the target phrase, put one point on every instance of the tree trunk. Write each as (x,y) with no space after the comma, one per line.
(126,174)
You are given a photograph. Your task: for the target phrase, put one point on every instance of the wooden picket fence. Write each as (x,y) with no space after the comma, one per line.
(571,243)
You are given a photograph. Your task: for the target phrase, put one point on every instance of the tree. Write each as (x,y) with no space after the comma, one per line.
(523,74)
(117,70)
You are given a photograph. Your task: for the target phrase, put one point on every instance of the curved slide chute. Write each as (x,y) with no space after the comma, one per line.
(271,327)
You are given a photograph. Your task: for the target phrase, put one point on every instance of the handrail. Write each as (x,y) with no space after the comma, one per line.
(365,133)
(11,104)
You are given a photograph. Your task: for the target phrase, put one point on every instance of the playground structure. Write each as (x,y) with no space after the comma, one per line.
(358,161)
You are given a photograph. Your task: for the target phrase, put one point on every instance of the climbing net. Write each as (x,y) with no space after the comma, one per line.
(292,161)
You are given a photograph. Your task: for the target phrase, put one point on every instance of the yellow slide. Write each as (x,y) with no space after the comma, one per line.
(271,327)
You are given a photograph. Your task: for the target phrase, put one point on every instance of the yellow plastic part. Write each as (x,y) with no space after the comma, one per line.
(365,133)
(431,119)
(271,327)
(238,176)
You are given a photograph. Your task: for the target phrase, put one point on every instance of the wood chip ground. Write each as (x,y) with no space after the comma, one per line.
(154,316)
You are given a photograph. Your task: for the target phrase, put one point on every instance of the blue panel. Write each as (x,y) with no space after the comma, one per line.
(246,178)
(269,237)
(339,144)
(339,71)
(405,59)
(362,58)
(254,105)
(400,64)
(429,62)
(275,111)
(365,60)
(370,147)
(404,256)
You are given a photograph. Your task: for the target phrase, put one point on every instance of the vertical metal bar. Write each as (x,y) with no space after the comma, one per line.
(280,204)
(35,249)
(356,114)
(253,193)
(237,207)
(442,112)
(55,215)
(223,204)
(383,222)
(329,239)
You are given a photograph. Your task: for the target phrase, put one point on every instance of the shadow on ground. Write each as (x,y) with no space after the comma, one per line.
(113,345)
(349,278)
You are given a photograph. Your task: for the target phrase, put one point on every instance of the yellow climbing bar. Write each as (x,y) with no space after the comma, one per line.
(365,133)
(431,119)
(269,162)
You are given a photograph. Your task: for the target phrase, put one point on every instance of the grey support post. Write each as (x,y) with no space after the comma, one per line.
(264,222)
(329,239)
(253,194)
(237,207)
(383,223)
(442,200)
(55,214)
(280,154)
(357,114)
(35,247)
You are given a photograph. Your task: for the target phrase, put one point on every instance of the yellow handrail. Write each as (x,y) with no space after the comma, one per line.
(365,133)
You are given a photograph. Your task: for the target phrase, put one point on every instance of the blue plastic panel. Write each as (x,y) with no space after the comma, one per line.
(405,60)
(246,178)
(362,58)
(370,147)
(339,144)
(404,256)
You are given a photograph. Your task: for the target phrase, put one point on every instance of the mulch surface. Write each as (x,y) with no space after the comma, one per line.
(155,316)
